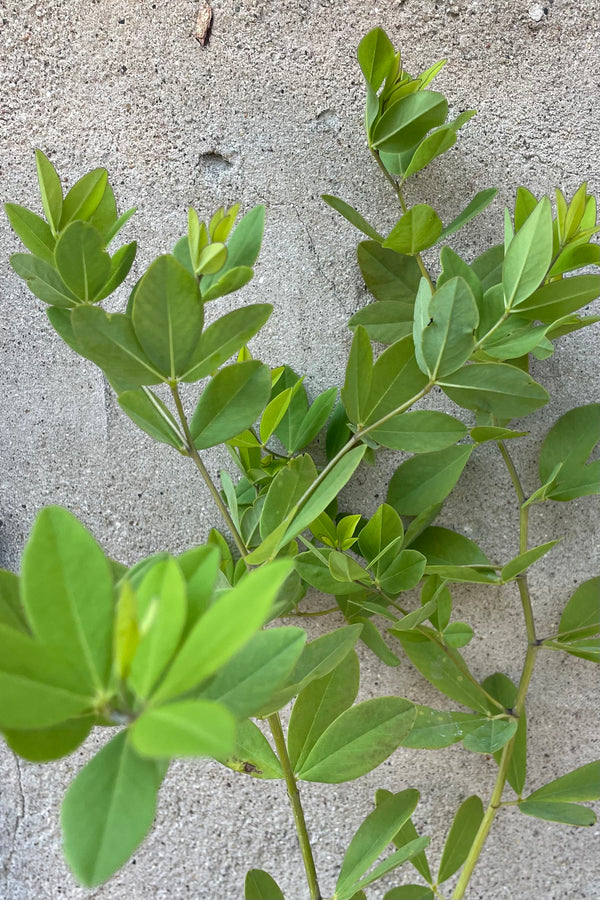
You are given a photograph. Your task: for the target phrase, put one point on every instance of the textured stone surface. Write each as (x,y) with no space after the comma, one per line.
(271,111)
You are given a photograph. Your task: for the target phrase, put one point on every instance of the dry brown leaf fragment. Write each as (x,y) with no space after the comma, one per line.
(203,24)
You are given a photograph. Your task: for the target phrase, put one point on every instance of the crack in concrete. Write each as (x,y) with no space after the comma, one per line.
(313,250)
(19,816)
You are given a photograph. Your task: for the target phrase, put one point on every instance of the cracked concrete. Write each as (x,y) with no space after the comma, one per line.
(277,93)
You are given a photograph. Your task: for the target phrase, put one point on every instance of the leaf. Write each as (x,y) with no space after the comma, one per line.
(224,629)
(231,281)
(161,597)
(488,267)
(81,260)
(560,298)
(434,728)
(120,223)
(243,247)
(359,740)
(120,266)
(167,315)
(186,728)
(212,259)
(405,123)
(314,420)
(457,634)
(406,852)
(260,886)
(359,373)
(410,892)
(416,230)
(47,744)
(151,415)
(396,381)
(375,57)
(231,402)
(565,813)
(435,144)
(383,530)
(568,444)
(252,754)
(581,614)
(287,488)
(109,341)
(318,705)
(444,668)
(482,433)
(525,560)
(354,217)
(68,595)
(388,275)
(84,197)
(426,479)
(448,339)
(503,689)
(372,638)
(225,337)
(496,388)
(403,573)
(529,256)
(460,838)
(50,189)
(252,676)
(372,837)
(581,784)
(480,201)
(453,266)
(442,546)
(108,810)
(385,322)
(43,280)
(576,257)
(12,613)
(32,231)
(490,736)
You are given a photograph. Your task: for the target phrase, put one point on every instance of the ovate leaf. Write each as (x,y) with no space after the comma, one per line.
(260,886)
(460,837)
(187,728)
(231,402)
(426,479)
(81,260)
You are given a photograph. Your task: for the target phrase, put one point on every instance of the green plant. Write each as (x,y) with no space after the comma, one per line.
(172,651)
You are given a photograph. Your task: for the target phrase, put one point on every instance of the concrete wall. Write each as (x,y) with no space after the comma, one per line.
(271,111)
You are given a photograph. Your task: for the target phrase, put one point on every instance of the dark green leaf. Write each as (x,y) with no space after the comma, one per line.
(416,230)
(490,736)
(488,266)
(372,638)
(231,402)
(359,373)
(581,784)
(314,420)
(260,886)
(442,546)
(460,838)
(525,560)
(434,728)
(453,266)
(410,892)
(581,614)
(565,813)
(252,754)
(82,261)
(482,433)
(32,230)
(403,573)
(47,744)
(397,380)
(426,479)
(497,388)
(503,689)
(569,444)
(389,276)
(385,322)
(479,202)
(354,217)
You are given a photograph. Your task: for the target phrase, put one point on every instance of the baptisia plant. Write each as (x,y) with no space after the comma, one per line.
(171,657)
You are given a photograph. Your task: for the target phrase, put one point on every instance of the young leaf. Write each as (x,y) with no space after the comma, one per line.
(84,198)
(231,402)
(416,230)
(460,838)
(224,338)
(389,276)
(354,217)
(50,189)
(151,415)
(375,57)
(260,886)
(187,728)
(405,123)
(437,142)
(68,595)
(318,705)
(529,256)
(426,479)
(108,810)
(32,230)
(81,260)
(359,740)
(383,530)
(243,247)
(497,388)
(525,560)
(479,202)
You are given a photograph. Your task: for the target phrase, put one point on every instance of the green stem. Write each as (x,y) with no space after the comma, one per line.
(293,794)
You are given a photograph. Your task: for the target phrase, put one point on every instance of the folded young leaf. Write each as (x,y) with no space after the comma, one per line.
(50,189)
(243,247)
(406,122)
(84,198)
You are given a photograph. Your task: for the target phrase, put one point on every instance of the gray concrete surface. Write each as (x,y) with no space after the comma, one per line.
(271,111)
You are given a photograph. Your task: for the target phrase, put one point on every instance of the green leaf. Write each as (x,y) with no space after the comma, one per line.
(161,598)
(460,838)
(167,315)
(231,402)
(109,341)
(359,740)
(81,260)
(151,415)
(231,281)
(12,613)
(108,810)
(287,488)
(32,231)
(565,813)
(490,736)
(581,614)
(434,728)
(496,388)
(344,568)
(354,217)
(372,837)
(260,886)
(457,634)
(452,266)
(388,275)
(54,742)
(224,629)
(503,689)
(442,546)
(186,728)
(529,256)
(383,530)
(581,784)
(259,669)
(416,230)
(448,339)
(375,57)
(243,247)
(560,298)
(50,189)
(405,123)
(444,668)
(568,444)
(120,223)
(252,754)
(106,212)
(84,198)
(407,834)
(406,852)
(480,201)
(316,572)
(43,280)
(576,257)
(120,266)
(212,259)
(482,433)
(38,686)
(68,595)
(359,372)
(318,705)
(410,892)
(396,380)
(314,420)
(403,573)
(426,479)
(525,560)
(225,337)
(386,321)
(372,638)
(436,143)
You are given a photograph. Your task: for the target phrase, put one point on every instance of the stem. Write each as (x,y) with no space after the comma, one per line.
(293,794)
(195,456)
